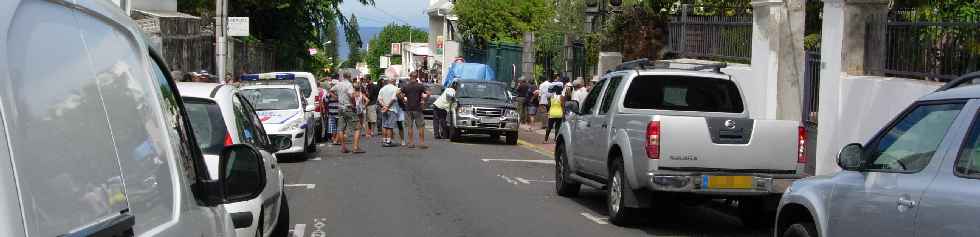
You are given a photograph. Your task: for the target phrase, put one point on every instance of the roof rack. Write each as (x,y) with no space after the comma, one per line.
(645,63)
(968,79)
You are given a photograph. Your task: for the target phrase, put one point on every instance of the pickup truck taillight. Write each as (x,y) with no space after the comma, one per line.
(228,141)
(801,147)
(653,140)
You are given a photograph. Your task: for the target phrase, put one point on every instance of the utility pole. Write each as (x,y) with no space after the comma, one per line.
(220,36)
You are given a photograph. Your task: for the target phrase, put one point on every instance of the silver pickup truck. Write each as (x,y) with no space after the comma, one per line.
(650,131)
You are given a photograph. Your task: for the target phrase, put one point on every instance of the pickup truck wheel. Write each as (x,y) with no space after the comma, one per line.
(454,135)
(802,229)
(618,213)
(512,138)
(563,185)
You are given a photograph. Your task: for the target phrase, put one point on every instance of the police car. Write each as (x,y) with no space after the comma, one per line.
(281,106)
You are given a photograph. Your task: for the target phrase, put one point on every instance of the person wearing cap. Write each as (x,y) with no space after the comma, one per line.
(580,91)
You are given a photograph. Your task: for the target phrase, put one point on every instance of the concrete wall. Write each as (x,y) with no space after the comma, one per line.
(155,5)
(753,88)
(863,105)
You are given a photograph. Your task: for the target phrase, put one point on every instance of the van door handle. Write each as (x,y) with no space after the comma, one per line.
(906,202)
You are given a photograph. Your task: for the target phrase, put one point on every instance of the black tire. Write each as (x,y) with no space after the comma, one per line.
(564,186)
(511,139)
(801,229)
(282,227)
(619,214)
(454,135)
(311,148)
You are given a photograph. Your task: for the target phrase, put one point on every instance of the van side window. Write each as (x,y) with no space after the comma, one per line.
(255,124)
(968,161)
(177,121)
(593,96)
(610,92)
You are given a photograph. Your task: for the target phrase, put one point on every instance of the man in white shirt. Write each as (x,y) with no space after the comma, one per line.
(580,91)
(387,99)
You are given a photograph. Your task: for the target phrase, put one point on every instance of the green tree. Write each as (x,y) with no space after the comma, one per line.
(502,20)
(381,45)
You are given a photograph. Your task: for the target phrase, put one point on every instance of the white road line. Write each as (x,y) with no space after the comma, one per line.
(551,162)
(597,220)
(322,145)
(528,181)
(307,186)
(317,158)
(522,180)
(508,179)
(299,230)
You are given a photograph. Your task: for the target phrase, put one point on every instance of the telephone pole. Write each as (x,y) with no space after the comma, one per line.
(220,36)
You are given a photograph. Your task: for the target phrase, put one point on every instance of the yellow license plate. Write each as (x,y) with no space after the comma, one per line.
(727,182)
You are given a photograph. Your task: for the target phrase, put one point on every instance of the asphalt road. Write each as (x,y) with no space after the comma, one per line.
(475,188)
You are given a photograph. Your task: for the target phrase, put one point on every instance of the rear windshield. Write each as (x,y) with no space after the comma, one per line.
(271,98)
(304,86)
(208,125)
(683,94)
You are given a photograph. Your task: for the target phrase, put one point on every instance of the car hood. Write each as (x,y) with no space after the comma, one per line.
(485,102)
(278,116)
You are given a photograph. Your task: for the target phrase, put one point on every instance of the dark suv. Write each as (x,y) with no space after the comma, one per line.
(483,107)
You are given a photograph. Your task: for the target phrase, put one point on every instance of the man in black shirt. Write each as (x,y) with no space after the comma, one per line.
(414,97)
(372,106)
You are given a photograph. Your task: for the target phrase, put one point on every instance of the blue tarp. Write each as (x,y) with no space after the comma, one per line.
(468,71)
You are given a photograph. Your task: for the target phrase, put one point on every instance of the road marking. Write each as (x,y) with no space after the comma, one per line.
(508,179)
(317,158)
(307,186)
(552,162)
(534,148)
(597,220)
(299,230)
(322,145)
(318,227)
(529,181)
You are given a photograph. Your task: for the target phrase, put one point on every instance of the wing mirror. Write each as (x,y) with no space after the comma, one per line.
(851,157)
(241,173)
(572,106)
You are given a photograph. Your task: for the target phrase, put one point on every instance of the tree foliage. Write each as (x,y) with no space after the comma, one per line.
(290,26)
(381,45)
(502,20)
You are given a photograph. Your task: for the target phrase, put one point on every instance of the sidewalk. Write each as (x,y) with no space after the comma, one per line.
(534,140)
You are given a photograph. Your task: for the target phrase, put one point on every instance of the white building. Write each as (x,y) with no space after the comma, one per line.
(442,25)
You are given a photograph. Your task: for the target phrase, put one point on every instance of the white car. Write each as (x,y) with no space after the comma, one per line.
(280,108)
(220,117)
(309,88)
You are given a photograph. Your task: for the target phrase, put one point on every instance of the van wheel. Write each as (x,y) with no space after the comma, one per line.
(564,186)
(619,214)
(802,229)
(512,138)
(282,227)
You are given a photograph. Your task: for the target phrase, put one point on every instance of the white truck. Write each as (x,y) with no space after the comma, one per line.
(649,131)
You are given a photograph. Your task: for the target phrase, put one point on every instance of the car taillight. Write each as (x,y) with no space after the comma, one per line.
(653,140)
(801,146)
(228,141)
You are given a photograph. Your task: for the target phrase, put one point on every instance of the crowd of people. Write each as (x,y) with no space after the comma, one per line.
(545,103)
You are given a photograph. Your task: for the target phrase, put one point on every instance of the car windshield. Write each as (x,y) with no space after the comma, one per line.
(304,86)
(271,98)
(481,90)
(208,125)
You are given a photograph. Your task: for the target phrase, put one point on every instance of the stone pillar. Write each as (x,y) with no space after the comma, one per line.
(843,52)
(778,56)
(527,57)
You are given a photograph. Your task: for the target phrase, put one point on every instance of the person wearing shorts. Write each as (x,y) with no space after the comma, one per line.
(347,118)
(414,95)
(387,100)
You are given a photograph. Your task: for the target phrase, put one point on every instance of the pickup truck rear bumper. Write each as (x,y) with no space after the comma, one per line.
(697,183)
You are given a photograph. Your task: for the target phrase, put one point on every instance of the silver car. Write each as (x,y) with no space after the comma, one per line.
(919,176)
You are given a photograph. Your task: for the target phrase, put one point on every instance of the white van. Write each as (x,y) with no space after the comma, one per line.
(94,139)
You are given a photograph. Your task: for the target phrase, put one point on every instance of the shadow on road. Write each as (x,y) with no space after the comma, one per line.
(712,218)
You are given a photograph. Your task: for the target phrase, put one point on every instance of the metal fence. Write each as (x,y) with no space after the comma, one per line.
(708,32)
(937,51)
(504,59)
(811,87)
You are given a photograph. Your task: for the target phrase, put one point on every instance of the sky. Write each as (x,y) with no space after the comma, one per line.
(388,11)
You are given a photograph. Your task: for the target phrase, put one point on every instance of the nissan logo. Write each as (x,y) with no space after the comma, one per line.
(730,124)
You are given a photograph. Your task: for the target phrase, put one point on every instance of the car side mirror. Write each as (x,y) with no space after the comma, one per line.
(851,157)
(572,106)
(241,173)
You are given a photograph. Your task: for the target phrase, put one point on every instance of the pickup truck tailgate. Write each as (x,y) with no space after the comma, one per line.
(710,143)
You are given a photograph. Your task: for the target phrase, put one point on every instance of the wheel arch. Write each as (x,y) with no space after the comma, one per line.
(794,213)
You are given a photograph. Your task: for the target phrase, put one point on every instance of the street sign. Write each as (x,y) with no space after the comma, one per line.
(237,26)
(385,61)
(312,51)
(396,49)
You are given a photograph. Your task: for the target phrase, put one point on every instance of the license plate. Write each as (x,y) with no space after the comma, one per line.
(490,120)
(726,182)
